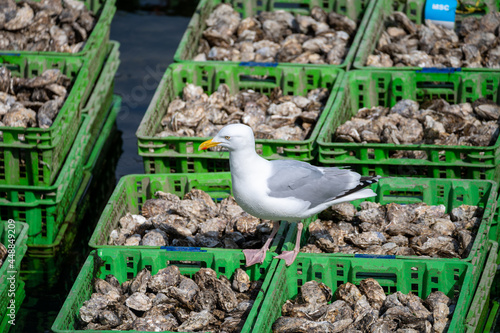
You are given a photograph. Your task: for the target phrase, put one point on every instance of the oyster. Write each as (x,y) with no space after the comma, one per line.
(404,43)
(274,117)
(32,102)
(435,122)
(276,36)
(169,301)
(196,220)
(49,25)
(353,311)
(394,229)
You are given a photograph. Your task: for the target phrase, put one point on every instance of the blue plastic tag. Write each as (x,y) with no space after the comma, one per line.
(182,249)
(441,12)
(374,256)
(436,70)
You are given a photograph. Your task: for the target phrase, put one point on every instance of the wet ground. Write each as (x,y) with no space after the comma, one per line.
(149,32)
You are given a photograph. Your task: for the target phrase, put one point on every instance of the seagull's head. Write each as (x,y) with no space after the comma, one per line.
(233,137)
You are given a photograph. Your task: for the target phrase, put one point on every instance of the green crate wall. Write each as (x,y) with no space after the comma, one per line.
(9,271)
(414,9)
(66,231)
(19,296)
(181,154)
(383,88)
(358,11)
(44,208)
(126,263)
(100,103)
(477,317)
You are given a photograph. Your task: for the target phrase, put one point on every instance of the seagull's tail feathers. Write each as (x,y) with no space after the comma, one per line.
(359,191)
(362,194)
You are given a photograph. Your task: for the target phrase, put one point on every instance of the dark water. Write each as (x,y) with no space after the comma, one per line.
(149,32)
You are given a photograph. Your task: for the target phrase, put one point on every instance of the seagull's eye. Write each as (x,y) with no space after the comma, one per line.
(227,137)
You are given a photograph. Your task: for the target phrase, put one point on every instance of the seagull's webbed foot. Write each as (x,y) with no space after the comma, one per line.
(253,257)
(289,256)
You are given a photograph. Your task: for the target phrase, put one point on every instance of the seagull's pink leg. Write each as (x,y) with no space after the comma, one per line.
(290,256)
(253,257)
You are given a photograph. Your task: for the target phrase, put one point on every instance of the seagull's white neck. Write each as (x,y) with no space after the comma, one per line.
(245,161)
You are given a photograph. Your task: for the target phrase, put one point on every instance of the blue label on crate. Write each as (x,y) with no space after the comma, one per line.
(258,64)
(377,256)
(439,70)
(441,12)
(182,248)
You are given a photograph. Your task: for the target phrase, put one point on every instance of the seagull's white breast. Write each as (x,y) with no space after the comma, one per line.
(251,192)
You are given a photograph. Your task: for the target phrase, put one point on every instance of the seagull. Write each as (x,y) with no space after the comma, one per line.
(287,190)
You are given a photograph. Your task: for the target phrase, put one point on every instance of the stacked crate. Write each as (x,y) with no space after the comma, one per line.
(44,172)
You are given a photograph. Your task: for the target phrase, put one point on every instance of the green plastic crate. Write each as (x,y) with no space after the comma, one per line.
(417,276)
(494,230)
(449,192)
(44,207)
(43,150)
(126,263)
(133,190)
(358,11)
(102,94)
(20,294)
(51,249)
(382,88)
(477,316)
(492,323)
(10,270)
(414,9)
(93,51)
(181,154)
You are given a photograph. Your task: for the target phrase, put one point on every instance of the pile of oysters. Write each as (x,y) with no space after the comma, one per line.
(394,229)
(279,117)
(32,102)
(363,309)
(434,122)
(278,36)
(475,44)
(46,25)
(196,220)
(169,301)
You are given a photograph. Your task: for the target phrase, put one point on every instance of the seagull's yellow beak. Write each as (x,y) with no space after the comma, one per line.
(207,144)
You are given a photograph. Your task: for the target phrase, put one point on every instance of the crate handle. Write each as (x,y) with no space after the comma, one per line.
(436,70)
(375,256)
(258,64)
(182,249)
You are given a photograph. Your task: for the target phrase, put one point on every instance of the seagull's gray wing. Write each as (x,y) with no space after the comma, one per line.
(309,183)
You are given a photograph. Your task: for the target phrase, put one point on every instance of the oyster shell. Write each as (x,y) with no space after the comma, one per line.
(278,117)
(434,122)
(395,229)
(31,102)
(196,220)
(404,43)
(396,312)
(49,25)
(276,36)
(170,301)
